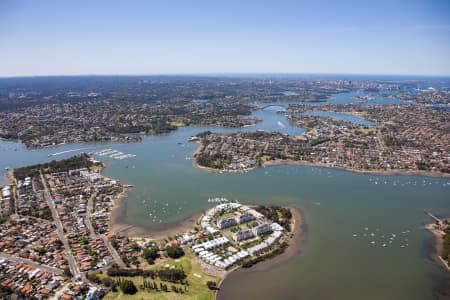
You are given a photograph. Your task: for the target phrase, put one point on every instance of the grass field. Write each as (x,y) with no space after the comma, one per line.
(365,130)
(197,288)
(177,124)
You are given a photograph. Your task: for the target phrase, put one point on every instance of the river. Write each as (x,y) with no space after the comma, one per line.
(349,216)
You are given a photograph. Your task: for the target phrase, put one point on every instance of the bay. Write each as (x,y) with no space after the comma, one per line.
(338,259)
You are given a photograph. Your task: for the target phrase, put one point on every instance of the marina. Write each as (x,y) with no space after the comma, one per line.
(114,154)
(168,190)
(67,151)
(225,150)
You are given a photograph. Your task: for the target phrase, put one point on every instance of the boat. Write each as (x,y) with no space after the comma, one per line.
(193,138)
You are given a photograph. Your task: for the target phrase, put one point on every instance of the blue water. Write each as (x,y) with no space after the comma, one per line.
(200,100)
(336,204)
(342,117)
(289,93)
(346,98)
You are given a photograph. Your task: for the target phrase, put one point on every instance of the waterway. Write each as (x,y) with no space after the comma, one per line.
(341,259)
(341,117)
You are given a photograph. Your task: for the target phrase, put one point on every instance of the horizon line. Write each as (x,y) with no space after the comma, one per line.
(207,74)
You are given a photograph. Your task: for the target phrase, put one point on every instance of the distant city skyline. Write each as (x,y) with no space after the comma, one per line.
(46,38)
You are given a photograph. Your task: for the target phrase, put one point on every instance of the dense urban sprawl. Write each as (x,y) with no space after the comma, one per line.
(403,138)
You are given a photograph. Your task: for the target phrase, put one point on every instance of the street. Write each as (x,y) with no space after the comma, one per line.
(70,259)
(27,261)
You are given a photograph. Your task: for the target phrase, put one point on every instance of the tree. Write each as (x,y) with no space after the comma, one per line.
(150,254)
(128,287)
(174,251)
(212,285)
(58,244)
(94,278)
(135,246)
(114,287)
(136,263)
(106,281)
(172,275)
(67,272)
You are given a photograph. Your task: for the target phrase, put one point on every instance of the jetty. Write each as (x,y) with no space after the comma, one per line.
(434,217)
(67,151)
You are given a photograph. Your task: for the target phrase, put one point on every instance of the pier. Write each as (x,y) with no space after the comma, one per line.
(434,217)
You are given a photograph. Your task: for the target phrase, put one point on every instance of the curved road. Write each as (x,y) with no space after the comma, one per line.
(112,251)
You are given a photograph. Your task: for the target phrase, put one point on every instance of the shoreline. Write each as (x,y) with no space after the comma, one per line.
(295,238)
(323,165)
(118,226)
(9,177)
(437,245)
(360,171)
(194,160)
(296,242)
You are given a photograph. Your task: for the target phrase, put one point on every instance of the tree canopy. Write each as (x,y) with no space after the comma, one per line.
(174,251)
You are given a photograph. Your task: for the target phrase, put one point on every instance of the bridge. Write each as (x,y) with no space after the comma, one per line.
(285,106)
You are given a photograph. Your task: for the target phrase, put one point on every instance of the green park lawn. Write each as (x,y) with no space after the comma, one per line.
(196,289)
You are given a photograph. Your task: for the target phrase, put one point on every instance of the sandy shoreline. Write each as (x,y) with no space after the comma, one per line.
(438,245)
(295,248)
(137,231)
(9,175)
(117,225)
(194,160)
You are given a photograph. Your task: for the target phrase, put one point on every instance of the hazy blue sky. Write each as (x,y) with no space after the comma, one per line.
(188,36)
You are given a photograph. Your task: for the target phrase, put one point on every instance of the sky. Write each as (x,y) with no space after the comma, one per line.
(395,37)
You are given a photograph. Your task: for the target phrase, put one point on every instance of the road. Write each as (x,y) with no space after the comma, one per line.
(90,208)
(70,259)
(61,291)
(112,251)
(32,263)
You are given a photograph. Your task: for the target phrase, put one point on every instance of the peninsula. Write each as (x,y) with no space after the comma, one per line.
(402,139)
(58,240)
(441,231)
